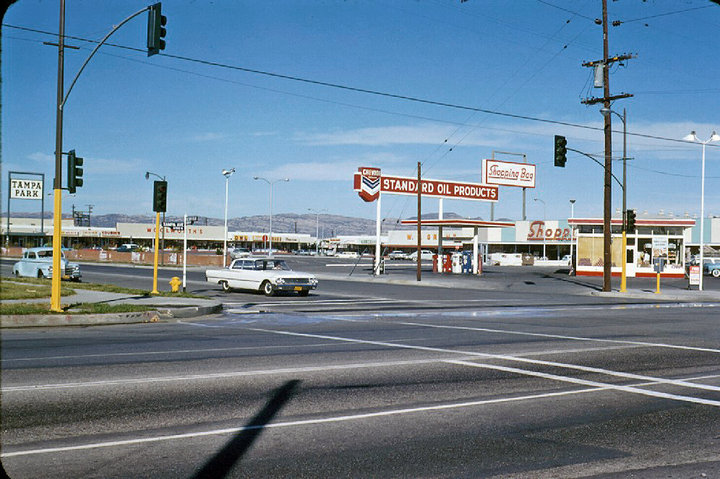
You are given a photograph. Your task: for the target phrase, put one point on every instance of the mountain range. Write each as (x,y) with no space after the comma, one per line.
(329,225)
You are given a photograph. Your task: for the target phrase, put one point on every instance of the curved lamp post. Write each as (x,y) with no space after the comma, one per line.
(623,259)
(227,174)
(271,183)
(694,138)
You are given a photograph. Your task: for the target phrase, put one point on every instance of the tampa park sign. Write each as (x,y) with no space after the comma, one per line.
(370,183)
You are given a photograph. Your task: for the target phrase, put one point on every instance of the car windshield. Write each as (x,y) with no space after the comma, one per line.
(48,254)
(274,264)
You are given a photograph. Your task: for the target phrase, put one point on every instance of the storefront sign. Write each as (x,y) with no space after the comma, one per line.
(26,189)
(659,247)
(369,183)
(538,232)
(400,185)
(694,275)
(509,173)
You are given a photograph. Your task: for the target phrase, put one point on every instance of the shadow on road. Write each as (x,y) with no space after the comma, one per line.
(220,464)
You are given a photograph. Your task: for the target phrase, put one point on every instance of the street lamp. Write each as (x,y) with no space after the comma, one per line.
(544,219)
(317,228)
(227,174)
(271,183)
(694,138)
(623,260)
(162,240)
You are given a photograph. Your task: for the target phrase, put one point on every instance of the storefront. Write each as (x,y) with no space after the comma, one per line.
(652,239)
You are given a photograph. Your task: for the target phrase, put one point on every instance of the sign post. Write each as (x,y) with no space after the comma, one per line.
(660,255)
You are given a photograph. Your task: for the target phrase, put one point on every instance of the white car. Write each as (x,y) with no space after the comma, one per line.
(236,253)
(425,254)
(268,275)
(37,263)
(398,254)
(347,254)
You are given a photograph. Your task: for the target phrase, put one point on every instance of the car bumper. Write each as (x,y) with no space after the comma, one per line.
(294,287)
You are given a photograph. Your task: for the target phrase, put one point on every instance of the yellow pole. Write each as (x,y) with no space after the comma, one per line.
(155,263)
(657,291)
(623,260)
(57,253)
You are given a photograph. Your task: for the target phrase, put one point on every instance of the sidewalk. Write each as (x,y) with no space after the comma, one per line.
(165,308)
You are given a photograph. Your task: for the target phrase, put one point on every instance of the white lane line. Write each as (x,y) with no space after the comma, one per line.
(504,357)
(559,336)
(159,353)
(326,420)
(261,372)
(224,375)
(584,382)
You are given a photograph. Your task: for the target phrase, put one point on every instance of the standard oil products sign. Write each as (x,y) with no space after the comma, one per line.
(21,189)
(508,173)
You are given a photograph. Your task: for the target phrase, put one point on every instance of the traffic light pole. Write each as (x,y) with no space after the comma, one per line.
(155,261)
(57,183)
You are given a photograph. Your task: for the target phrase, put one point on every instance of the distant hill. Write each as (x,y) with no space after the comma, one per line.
(330,225)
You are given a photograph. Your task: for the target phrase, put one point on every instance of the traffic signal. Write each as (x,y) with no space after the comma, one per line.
(160,196)
(156,30)
(74,172)
(630,220)
(560,151)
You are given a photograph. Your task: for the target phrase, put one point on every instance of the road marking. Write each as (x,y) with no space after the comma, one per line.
(235,374)
(504,357)
(326,420)
(155,353)
(225,375)
(559,336)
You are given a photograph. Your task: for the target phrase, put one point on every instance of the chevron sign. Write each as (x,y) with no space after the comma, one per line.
(367,183)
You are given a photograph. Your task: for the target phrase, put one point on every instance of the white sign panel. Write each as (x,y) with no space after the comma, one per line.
(695,275)
(508,173)
(659,247)
(26,189)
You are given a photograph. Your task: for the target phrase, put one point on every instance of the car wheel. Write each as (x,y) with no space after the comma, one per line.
(267,288)
(225,286)
(304,292)
(17,273)
(40,274)
(716,273)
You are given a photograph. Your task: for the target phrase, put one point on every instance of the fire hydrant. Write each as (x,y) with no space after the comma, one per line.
(175,284)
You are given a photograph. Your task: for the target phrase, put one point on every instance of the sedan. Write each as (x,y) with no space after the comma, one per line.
(37,263)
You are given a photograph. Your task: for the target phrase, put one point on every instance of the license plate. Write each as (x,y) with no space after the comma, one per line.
(298,288)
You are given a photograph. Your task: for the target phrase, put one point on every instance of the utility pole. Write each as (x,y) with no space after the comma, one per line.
(607,187)
(419,224)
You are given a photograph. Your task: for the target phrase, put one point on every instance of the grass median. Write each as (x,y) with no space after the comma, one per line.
(33,288)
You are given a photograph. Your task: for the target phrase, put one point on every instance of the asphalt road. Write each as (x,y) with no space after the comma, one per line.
(529,378)
(570,391)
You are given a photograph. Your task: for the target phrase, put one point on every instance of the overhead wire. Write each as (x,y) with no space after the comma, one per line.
(395,96)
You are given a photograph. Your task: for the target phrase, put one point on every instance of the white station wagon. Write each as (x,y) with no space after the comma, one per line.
(268,275)
(37,263)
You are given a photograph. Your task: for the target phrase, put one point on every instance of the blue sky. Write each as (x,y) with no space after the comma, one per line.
(187,121)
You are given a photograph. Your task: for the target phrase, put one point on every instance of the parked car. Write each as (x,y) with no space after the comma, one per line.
(304,252)
(268,275)
(236,253)
(424,255)
(348,254)
(128,247)
(712,267)
(398,254)
(37,263)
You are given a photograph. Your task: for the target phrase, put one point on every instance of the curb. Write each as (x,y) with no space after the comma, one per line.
(162,314)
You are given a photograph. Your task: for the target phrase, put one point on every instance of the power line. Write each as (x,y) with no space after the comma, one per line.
(361,90)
